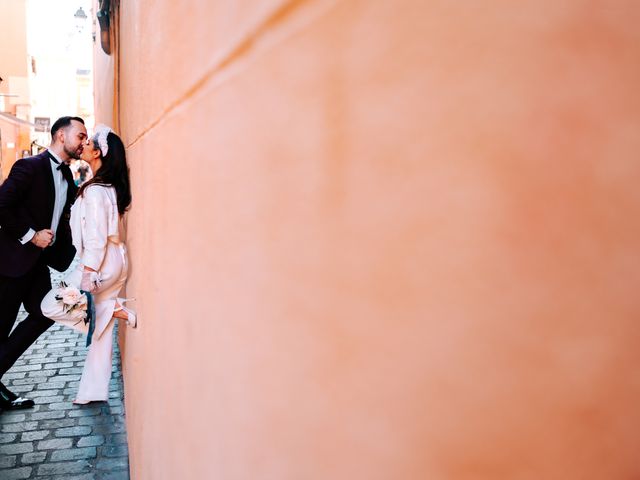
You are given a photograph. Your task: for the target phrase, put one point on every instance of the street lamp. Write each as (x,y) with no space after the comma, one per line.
(80,19)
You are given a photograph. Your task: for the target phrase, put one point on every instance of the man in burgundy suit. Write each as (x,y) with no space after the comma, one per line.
(35,203)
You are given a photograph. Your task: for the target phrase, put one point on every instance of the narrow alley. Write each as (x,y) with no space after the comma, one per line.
(56,439)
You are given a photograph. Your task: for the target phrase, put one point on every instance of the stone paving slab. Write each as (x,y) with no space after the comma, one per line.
(56,439)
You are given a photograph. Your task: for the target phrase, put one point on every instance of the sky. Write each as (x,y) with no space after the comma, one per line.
(61,48)
(51,28)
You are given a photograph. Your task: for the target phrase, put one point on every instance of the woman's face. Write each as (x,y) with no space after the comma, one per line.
(91,155)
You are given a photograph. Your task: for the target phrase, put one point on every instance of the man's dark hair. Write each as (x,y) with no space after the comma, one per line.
(63,122)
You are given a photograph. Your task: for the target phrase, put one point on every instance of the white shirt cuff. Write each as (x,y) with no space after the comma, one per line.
(27,236)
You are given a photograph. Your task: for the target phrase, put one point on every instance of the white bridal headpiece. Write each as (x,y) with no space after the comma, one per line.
(100,138)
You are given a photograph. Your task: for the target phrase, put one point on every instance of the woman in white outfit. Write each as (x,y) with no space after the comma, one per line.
(97,235)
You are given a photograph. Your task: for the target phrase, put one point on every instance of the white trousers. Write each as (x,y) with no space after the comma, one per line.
(94,384)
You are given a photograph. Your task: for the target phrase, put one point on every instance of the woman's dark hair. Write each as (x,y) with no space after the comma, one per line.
(114,171)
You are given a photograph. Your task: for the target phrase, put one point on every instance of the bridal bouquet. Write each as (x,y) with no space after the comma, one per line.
(73,301)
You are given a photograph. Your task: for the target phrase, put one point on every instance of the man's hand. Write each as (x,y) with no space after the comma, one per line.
(43,238)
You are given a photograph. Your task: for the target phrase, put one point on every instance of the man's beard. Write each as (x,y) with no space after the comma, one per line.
(72,153)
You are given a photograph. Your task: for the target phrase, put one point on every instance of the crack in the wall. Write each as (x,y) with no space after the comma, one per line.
(246,45)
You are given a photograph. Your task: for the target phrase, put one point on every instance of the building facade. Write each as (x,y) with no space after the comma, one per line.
(46,71)
(15,98)
(379,239)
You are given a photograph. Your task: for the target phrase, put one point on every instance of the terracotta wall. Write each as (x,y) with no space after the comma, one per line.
(8,136)
(13,62)
(383,239)
(14,73)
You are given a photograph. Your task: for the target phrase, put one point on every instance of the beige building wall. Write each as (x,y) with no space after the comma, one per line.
(103,65)
(382,239)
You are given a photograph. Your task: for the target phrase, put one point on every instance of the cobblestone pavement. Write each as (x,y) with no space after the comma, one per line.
(56,439)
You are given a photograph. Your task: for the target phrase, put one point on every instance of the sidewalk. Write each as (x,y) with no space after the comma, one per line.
(56,439)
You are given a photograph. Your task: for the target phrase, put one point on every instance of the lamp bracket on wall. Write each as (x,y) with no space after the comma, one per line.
(104,22)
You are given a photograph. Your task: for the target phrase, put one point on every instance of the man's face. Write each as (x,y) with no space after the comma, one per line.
(73,139)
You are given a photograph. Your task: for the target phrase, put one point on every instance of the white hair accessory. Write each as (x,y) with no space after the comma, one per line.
(100,138)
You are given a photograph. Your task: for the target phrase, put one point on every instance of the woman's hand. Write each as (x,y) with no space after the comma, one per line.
(90,280)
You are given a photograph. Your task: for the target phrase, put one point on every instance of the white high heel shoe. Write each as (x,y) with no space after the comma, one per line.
(132,318)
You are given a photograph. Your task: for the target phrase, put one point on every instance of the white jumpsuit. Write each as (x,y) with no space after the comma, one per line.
(95,228)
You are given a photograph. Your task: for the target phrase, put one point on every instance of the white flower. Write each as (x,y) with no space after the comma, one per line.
(70,295)
(82,303)
(74,302)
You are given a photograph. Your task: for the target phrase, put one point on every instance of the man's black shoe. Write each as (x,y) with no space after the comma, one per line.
(10,401)
(16,404)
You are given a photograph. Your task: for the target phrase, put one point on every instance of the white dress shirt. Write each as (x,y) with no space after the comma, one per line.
(61,186)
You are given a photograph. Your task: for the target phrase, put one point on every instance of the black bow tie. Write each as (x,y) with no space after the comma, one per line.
(64,169)
(61,166)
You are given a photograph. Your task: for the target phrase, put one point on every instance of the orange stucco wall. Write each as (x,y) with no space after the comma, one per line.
(14,73)
(383,239)
(13,38)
